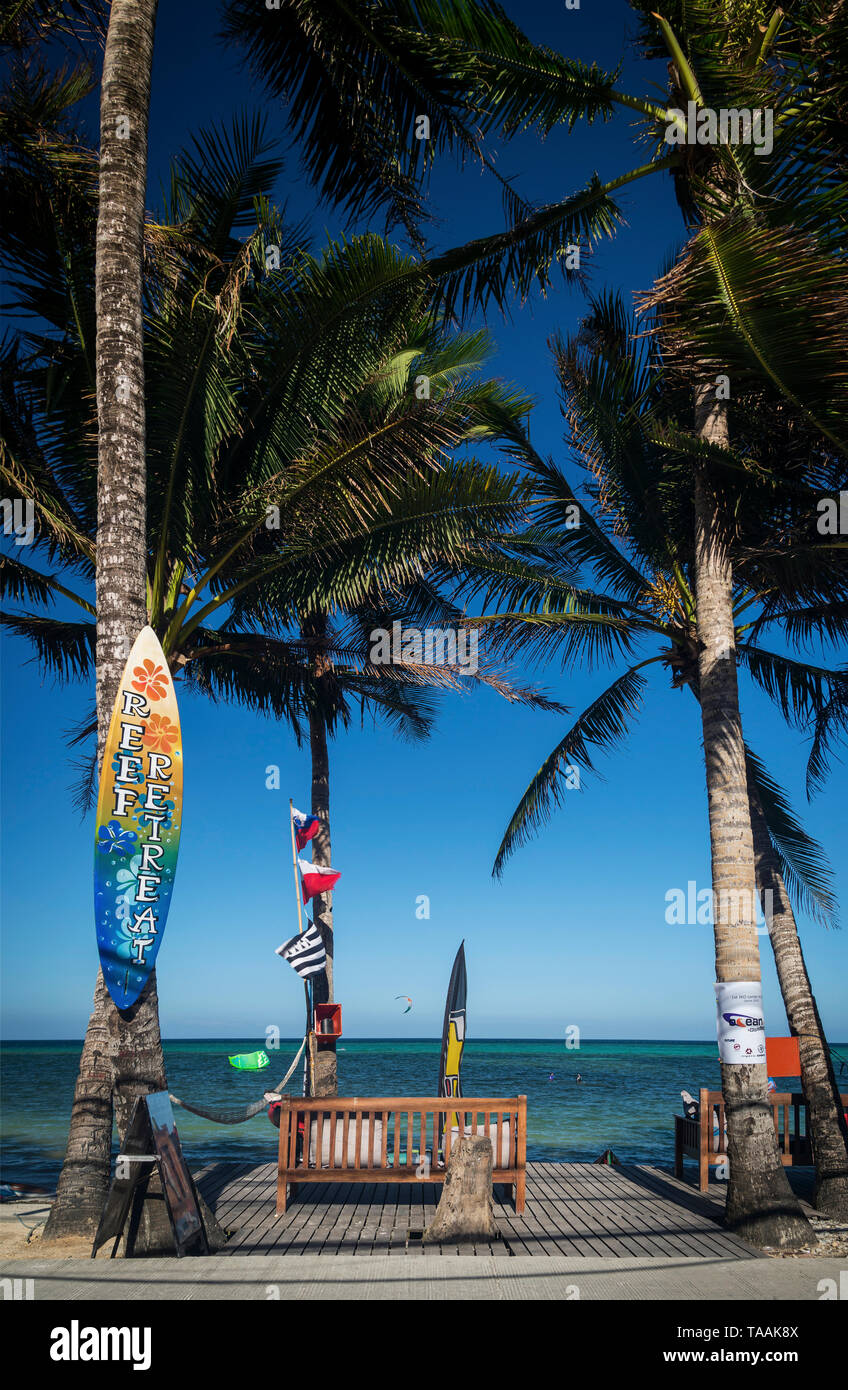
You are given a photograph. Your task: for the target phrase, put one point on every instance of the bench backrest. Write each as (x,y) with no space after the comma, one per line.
(789,1110)
(355,1134)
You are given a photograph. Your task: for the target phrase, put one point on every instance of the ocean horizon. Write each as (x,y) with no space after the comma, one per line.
(626,1099)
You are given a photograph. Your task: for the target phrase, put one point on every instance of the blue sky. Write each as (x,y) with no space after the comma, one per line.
(575,933)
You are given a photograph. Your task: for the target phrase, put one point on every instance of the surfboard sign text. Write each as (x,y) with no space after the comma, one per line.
(139,815)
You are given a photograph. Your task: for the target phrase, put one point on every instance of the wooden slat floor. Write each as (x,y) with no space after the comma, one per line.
(571,1209)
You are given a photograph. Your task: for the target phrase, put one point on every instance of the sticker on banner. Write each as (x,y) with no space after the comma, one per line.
(741,1034)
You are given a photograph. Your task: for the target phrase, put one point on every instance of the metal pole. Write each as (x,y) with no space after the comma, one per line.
(307,1088)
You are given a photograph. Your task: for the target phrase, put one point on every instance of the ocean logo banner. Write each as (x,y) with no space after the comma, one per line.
(139,815)
(740,1028)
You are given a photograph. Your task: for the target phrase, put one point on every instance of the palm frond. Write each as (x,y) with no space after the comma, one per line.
(601,726)
(829,727)
(354,80)
(799,690)
(803,863)
(62,648)
(741,299)
(493,268)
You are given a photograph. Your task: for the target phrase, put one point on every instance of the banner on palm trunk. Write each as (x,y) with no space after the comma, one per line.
(305,952)
(139,813)
(305,826)
(316,878)
(740,1027)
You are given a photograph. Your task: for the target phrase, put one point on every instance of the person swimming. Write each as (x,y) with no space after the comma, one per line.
(578,1077)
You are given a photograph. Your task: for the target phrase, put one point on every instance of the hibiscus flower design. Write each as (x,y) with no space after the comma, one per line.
(150,680)
(112,838)
(160,734)
(128,880)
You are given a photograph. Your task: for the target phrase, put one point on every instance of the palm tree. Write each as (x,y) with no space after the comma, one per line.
(734,284)
(471,71)
(135,1046)
(341,676)
(327,485)
(624,423)
(468,37)
(745,212)
(123,1052)
(122,1055)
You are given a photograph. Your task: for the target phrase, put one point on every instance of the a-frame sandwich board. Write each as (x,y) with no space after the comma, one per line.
(152,1141)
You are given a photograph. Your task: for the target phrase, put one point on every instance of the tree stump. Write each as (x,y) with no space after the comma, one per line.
(324,1073)
(465,1209)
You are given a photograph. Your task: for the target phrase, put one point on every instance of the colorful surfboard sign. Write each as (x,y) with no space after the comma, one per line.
(139,816)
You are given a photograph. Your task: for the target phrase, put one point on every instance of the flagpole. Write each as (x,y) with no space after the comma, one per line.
(294,866)
(308,1086)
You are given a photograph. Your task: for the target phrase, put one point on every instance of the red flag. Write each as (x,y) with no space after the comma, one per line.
(316,879)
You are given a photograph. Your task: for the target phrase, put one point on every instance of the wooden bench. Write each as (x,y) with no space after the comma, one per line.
(393,1140)
(707,1142)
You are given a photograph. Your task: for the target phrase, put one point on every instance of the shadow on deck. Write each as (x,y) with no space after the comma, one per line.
(572,1209)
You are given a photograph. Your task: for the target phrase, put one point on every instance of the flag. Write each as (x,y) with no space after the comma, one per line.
(453,1040)
(305,826)
(453,1030)
(305,952)
(316,878)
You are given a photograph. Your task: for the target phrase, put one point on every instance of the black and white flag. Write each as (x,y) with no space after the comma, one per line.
(305,952)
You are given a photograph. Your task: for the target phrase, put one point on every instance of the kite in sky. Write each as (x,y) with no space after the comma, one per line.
(408,1001)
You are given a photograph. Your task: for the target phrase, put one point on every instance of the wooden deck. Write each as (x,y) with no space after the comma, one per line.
(572,1209)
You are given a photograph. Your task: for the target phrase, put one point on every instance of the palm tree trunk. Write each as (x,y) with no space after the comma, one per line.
(760,1204)
(84,1180)
(325,1074)
(325,1080)
(110,1054)
(827,1128)
(321,848)
(138,1063)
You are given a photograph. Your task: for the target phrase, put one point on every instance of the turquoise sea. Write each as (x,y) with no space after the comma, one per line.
(629,1092)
